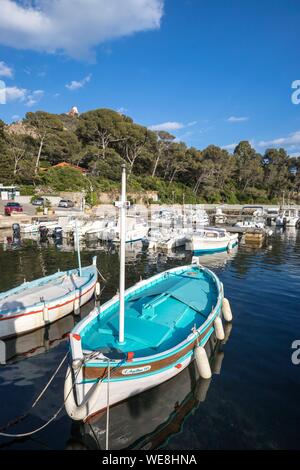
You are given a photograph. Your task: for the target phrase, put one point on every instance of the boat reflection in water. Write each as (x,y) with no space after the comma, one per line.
(217,260)
(40,341)
(147,420)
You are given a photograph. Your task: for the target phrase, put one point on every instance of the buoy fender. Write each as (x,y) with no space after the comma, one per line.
(202,362)
(226,310)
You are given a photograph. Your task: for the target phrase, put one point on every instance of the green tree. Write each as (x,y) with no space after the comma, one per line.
(249,170)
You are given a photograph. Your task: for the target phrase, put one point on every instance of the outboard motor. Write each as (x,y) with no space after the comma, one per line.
(16,230)
(57,232)
(57,235)
(43,233)
(16,238)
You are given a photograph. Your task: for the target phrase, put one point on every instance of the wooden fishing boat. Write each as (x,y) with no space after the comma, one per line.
(211,240)
(168,318)
(37,303)
(148,420)
(143,336)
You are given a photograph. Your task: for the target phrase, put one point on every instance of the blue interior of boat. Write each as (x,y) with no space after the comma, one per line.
(158,315)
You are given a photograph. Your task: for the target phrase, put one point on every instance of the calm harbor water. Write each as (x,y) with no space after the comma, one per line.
(252,400)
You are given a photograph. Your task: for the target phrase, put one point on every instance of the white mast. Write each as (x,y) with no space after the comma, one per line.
(122,207)
(78,247)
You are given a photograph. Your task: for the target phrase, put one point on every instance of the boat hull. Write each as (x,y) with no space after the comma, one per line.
(91,374)
(120,389)
(199,246)
(33,317)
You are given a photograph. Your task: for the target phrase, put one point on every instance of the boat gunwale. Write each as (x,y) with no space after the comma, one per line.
(19,312)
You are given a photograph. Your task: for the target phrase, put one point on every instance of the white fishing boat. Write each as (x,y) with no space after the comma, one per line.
(34,228)
(137,230)
(37,303)
(287,218)
(211,240)
(173,239)
(219,217)
(94,228)
(143,336)
(250,222)
(200,218)
(272,214)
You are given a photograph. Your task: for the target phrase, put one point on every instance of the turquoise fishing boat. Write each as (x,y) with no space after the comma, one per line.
(143,336)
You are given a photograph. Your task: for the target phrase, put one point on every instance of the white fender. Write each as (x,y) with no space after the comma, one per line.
(82,411)
(202,362)
(45,314)
(97,290)
(226,310)
(219,331)
(77,302)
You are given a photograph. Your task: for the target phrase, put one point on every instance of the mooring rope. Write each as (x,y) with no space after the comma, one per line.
(56,414)
(20,418)
(101,275)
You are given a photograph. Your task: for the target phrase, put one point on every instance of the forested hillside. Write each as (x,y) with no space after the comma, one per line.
(100,140)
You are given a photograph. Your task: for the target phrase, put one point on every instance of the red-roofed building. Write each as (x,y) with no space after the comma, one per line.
(69,165)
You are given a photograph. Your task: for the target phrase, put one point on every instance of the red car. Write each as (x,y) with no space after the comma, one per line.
(12,207)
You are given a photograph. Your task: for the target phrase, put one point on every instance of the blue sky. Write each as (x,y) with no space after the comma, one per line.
(210,71)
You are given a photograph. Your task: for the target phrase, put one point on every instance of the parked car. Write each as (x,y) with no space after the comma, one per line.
(12,207)
(39,201)
(66,203)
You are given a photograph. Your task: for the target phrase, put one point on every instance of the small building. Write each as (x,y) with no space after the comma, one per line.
(73,112)
(8,192)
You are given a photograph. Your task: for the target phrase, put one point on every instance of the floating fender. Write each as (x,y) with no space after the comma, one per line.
(79,412)
(226,310)
(97,290)
(229,247)
(219,331)
(201,390)
(217,364)
(46,314)
(77,303)
(202,362)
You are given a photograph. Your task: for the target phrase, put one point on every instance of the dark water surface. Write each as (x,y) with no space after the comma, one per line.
(253,398)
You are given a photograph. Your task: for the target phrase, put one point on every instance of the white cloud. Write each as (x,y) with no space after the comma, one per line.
(167,126)
(29,98)
(237,119)
(171,126)
(15,117)
(75,85)
(74,26)
(230,147)
(5,70)
(14,93)
(34,97)
(291,139)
